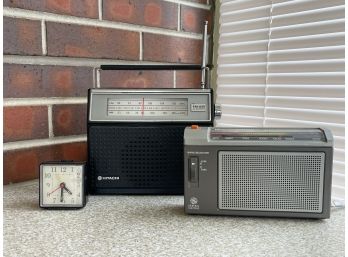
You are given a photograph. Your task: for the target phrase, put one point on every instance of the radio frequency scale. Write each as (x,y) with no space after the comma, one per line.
(135,136)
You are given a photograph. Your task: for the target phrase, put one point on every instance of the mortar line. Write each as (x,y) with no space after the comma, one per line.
(179,17)
(43,37)
(50,121)
(189,3)
(141,44)
(98,78)
(100,9)
(9,102)
(174,79)
(69,61)
(43,142)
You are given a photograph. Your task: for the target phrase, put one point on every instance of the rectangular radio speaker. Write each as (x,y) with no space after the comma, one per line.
(258,172)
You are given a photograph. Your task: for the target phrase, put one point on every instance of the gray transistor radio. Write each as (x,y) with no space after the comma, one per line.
(283,172)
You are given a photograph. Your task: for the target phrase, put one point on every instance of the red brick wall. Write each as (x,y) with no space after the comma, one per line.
(50,50)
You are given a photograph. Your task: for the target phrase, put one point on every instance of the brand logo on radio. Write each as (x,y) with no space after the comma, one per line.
(198,107)
(193,205)
(108,178)
(194,200)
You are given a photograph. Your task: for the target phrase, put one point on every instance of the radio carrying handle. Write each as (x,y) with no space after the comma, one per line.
(204,68)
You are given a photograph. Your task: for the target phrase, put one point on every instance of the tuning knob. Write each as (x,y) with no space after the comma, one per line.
(217,112)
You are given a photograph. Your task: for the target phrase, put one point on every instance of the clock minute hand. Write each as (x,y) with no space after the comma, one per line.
(54,190)
(61,195)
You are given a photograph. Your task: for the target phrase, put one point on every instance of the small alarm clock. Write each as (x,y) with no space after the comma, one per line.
(63,185)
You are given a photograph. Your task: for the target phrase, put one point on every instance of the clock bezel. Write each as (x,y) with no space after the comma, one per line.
(83,184)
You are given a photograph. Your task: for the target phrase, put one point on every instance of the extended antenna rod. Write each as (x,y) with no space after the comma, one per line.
(205,68)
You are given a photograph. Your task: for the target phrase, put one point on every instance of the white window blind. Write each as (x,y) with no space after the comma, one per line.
(281,64)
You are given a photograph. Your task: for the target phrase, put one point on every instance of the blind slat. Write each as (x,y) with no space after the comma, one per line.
(339,141)
(338,179)
(303,5)
(308,29)
(256,111)
(242,120)
(248,14)
(323,40)
(333,65)
(306,102)
(315,53)
(244,4)
(305,114)
(250,100)
(306,90)
(230,91)
(322,14)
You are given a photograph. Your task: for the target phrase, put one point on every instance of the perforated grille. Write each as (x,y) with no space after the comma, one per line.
(271,181)
(142,157)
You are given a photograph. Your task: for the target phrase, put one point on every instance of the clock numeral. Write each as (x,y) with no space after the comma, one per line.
(54,200)
(48,194)
(63,169)
(47,175)
(53,169)
(48,184)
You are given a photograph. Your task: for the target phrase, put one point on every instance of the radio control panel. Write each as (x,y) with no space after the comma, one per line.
(124,105)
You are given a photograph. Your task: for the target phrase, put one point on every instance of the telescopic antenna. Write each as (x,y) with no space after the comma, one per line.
(205,69)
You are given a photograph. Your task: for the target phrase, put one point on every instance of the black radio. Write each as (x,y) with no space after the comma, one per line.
(135,136)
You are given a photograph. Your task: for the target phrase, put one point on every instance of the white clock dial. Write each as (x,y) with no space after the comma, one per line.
(61,185)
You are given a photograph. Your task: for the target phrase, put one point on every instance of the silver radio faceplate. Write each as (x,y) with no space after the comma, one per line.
(169,105)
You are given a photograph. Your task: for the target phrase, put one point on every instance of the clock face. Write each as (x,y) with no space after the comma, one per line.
(61,185)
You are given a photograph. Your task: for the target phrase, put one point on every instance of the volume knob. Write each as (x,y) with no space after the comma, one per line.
(217,111)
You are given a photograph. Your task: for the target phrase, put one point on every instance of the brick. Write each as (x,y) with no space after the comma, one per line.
(188,79)
(22,165)
(25,122)
(94,42)
(69,119)
(136,79)
(154,13)
(22,81)
(22,37)
(171,49)
(81,8)
(192,19)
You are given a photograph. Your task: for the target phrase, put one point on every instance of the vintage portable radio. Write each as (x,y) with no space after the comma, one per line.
(283,172)
(135,136)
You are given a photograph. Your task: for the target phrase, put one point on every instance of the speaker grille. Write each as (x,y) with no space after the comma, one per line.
(271,181)
(142,157)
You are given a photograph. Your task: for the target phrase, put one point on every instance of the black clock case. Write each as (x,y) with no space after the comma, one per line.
(84,183)
(138,157)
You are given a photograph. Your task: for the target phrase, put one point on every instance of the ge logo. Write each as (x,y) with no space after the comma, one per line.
(193,200)
(99,177)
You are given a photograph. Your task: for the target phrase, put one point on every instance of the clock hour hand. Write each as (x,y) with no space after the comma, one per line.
(61,195)
(66,189)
